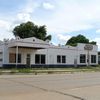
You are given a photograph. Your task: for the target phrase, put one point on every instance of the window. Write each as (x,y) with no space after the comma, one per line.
(39,59)
(0,59)
(42,59)
(58,59)
(12,58)
(0,52)
(61,59)
(98,59)
(93,58)
(82,58)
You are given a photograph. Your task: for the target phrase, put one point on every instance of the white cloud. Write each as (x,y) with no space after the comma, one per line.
(31,6)
(5,34)
(73,16)
(25,13)
(5,29)
(98,31)
(4,24)
(65,16)
(48,6)
(63,38)
(98,42)
(23,17)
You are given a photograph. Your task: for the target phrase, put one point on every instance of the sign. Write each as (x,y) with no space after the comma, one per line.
(88,47)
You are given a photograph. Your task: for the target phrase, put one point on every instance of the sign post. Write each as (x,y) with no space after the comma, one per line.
(88,47)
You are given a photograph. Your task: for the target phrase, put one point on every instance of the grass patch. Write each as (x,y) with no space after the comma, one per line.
(25,70)
(36,71)
(13,71)
(0,72)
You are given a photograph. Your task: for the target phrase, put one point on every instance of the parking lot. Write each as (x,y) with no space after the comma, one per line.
(77,86)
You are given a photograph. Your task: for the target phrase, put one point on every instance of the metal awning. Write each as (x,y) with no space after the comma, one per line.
(28,45)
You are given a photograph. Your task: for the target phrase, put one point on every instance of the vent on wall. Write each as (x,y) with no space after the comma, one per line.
(33,40)
(17,37)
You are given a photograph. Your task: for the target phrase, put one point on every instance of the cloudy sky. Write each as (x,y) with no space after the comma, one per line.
(63,18)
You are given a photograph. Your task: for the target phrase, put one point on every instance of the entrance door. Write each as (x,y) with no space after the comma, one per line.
(28,60)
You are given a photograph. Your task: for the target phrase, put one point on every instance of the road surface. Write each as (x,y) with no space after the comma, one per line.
(77,86)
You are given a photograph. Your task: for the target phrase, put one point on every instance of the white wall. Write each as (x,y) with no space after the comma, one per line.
(71,54)
(24,52)
(81,50)
(51,53)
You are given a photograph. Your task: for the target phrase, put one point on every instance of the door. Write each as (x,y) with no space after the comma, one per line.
(28,60)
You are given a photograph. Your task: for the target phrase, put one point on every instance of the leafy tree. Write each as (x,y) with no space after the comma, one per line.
(93,42)
(78,39)
(72,41)
(29,29)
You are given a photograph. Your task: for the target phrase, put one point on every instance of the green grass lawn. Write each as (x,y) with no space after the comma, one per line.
(50,70)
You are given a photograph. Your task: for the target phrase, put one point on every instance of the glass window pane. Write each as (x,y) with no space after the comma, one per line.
(42,59)
(37,59)
(58,59)
(93,58)
(82,58)
(12,58)
(63,59)
(1,59)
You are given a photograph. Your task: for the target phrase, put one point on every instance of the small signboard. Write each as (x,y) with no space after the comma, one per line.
(88,47)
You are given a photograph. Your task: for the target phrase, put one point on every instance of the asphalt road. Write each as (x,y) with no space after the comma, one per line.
(77,86)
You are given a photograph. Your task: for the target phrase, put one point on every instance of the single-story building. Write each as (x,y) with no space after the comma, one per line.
(33,52)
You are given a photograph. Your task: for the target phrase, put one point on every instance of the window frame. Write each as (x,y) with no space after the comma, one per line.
(1,59)
(93,58)
(82,60)
(41,60)
(58,59)
(61,59)
(19,60)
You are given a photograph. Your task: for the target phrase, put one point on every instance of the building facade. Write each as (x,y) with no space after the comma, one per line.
(33,52)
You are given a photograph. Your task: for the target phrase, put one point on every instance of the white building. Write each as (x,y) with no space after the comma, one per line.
(33,52)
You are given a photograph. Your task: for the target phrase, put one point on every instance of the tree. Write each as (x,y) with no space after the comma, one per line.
(78,39)
(29,29)
(93,42)
(72,41)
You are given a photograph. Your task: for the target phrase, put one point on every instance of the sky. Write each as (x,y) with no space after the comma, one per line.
(63,18)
